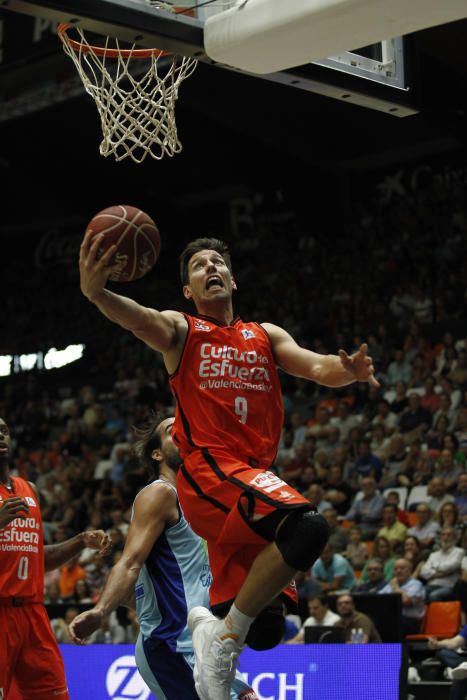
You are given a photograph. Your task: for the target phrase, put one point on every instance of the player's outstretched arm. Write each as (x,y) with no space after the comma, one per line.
(154,508)
(56,555)
(328,370)
(160,330)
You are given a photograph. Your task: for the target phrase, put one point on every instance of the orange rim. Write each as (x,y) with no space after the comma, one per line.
(79,47)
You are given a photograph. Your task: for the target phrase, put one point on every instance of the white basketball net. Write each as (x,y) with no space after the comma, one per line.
(135,95)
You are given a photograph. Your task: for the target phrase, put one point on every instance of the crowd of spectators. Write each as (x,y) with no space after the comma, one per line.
(386,467)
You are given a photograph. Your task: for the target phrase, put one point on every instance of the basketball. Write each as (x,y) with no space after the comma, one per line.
(136,236)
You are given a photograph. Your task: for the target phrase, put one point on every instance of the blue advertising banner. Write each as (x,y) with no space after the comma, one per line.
(288,672)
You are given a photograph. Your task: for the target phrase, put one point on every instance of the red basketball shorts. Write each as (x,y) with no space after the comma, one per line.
(31,666)
(221,496)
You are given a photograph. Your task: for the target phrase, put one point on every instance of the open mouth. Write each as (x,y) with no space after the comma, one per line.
(214,282)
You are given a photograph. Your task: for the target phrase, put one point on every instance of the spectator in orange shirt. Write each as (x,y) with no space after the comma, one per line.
(70,573)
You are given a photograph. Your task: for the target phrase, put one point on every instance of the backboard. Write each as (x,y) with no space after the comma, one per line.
(34,72)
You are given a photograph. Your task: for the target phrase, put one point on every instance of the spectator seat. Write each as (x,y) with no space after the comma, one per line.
(442,620)
(418,494)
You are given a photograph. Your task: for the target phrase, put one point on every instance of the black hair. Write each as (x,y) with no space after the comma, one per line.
(392,506)
(148,439)
(378,561)
(323,599)
(202,244)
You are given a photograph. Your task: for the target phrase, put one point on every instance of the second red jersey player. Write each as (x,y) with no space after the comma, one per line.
(29,645)
(31,666)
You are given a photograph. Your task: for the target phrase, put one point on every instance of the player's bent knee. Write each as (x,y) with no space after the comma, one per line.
(301,539)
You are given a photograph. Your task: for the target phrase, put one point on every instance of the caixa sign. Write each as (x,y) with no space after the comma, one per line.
(288,672)
(123,681)
(277,686)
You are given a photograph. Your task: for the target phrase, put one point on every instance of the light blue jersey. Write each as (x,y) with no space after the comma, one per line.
(175,578)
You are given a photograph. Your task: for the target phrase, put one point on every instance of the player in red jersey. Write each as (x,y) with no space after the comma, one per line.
(30,660)
(223,373)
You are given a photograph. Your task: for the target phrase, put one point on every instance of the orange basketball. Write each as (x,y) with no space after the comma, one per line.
(136,236)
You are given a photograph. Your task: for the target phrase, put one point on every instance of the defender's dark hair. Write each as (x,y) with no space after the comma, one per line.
(148,439)
(202,244)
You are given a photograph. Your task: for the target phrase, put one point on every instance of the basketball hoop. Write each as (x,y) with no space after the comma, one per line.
(135,91)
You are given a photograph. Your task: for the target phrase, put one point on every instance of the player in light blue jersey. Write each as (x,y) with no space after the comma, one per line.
(165,565)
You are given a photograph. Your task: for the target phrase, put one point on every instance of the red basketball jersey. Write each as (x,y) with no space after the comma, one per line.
(227,391)
(22,548)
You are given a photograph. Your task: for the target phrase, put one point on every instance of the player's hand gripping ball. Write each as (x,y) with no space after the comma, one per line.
(136,236)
